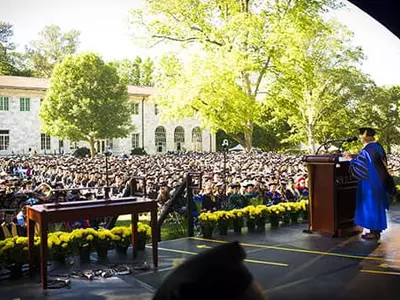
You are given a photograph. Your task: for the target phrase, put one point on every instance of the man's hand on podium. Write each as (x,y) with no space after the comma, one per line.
(347,155)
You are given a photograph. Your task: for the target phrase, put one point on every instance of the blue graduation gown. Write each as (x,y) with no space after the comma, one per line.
(374,186)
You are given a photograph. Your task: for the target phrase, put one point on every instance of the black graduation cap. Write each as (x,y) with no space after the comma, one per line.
(234,184)
(248,184)
(367,131)
(217,273)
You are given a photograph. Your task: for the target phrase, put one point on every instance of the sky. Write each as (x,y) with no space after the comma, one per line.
(105,29)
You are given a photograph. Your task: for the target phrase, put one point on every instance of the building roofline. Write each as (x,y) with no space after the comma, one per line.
(42,84)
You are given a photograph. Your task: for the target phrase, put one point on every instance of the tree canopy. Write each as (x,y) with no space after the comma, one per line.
(11,62)
(52,47)
(137,71)
(253,57)
(87,101)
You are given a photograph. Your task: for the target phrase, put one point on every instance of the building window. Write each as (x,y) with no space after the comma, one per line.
(160,139)
(135,140)
(73,145)
(179,138)
(156,109)
(4,103)
(60,146)
(197,139)
(4,139)
(135,108)
(44,141)
(109,144)
(24,104)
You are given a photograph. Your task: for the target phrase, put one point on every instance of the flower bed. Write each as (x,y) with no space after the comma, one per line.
(254,216)
(14,251)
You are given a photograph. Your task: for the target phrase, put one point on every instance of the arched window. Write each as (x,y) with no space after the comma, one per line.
(197,139)
(179,138)
(160,139)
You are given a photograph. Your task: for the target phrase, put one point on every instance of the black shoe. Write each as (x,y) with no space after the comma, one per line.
(371,236)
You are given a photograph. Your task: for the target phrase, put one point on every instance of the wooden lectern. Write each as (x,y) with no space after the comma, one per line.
(332,194)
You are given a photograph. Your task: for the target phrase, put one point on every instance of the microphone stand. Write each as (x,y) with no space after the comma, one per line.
(326,144)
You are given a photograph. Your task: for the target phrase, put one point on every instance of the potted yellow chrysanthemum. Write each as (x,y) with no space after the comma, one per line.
(122,238)
(304,209)
(59,245)
(250,213)
(261,213)
(276,212)
(237,220)
(102,242)
(144,232)
(14,254)
(208,221)
(83,242)
(223,218)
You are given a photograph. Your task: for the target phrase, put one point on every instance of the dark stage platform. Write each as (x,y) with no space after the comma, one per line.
(288,264)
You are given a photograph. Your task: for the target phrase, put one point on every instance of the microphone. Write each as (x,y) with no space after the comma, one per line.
(352,139)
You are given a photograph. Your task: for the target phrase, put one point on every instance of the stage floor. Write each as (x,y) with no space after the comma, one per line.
(286,262)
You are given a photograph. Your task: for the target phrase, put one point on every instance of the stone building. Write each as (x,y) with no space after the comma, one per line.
(20,133)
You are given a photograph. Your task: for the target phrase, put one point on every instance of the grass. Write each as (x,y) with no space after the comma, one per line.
(173,228)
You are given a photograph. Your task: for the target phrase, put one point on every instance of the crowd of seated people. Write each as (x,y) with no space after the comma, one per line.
(268,177)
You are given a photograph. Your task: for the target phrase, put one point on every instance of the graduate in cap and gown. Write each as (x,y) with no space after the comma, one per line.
(236,200)
(375,185)
(215,274)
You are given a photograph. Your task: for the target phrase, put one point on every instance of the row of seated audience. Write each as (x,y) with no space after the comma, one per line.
(271,178)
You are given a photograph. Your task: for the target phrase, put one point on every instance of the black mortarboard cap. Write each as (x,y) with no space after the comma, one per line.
(218,273)
(234,184)
(367,131)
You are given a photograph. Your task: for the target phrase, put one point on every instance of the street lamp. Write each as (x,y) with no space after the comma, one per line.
(107,188)
(225,145)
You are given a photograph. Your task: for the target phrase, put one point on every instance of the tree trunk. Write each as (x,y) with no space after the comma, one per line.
(92,151)
(311,140)
(248,138)
(389,149)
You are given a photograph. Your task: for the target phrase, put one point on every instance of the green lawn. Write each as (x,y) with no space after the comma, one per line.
(170,230)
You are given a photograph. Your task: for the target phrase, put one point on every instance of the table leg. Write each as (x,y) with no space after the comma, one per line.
(31,241)
(43,252)
(154,237)
(134,234)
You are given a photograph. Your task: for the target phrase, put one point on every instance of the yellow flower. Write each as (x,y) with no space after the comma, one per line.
(57,241)
(101,235)
(21,240)
(77,233)
(9,244)
(89,237)
(49,244)
(64,245)
(65,237)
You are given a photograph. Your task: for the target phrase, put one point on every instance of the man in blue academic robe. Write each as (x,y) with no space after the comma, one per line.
(375,185)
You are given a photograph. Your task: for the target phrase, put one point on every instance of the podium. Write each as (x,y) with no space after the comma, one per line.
(332,194)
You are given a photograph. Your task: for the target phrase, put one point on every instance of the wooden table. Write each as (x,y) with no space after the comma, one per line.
(72,211)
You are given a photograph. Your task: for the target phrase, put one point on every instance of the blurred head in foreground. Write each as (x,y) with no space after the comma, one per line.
(218,273)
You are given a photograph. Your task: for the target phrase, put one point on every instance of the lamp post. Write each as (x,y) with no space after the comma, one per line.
(107,188)
(225,145)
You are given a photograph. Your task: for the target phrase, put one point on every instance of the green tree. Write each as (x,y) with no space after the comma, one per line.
(239,42)
(137,71)
(318,81)
(52,47)
(11,62)
(379,109)
(87,101)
